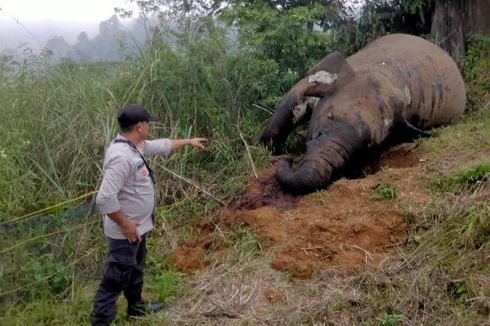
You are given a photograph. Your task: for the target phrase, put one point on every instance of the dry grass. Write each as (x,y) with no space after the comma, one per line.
(439,276)
(253,293)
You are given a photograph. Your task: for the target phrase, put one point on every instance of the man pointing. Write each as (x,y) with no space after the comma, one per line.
(127,199)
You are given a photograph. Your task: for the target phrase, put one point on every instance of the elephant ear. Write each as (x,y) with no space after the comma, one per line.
(331,72)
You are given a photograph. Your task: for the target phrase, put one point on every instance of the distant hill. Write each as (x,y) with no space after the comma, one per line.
(80,42)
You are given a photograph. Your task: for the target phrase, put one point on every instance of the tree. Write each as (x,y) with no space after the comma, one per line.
(8,65)
(111,27)
(291,32)
(380,17)
(172,8)
(447,22)
(111,39)
(454,20)
(295,34)
(59,46)
(84,50)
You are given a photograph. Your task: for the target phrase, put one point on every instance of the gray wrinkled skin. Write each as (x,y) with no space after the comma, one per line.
(397,84)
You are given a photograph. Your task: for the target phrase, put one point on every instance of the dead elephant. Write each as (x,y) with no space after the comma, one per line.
(397,84)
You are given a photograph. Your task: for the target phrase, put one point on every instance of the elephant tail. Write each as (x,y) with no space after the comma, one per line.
(325,157)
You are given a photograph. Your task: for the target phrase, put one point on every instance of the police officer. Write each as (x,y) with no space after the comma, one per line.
(126,198)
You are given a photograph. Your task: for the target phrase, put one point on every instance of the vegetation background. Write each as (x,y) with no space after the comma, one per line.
(224,71)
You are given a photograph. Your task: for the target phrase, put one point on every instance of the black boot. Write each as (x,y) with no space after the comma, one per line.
(142,307)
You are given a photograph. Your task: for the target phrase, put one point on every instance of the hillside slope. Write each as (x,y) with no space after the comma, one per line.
(407,244)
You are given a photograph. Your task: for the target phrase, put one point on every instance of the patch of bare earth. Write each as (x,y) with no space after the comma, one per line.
(340,226)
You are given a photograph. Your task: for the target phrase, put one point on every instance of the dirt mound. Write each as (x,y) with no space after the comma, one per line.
(265,191)
(399,157)
(340,226)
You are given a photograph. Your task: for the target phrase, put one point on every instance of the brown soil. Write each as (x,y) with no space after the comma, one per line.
(273,295)
(340,226)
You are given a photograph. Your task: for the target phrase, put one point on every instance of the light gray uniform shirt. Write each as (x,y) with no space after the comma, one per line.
(127,186)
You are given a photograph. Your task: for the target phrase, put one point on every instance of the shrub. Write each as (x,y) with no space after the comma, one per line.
(461,180)
(384,191)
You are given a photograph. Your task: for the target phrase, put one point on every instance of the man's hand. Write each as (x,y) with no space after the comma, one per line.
(130,230)
(128,227)
(194,142)
(197,142)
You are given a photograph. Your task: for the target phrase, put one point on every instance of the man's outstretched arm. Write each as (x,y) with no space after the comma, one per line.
(164,146)
(194,142)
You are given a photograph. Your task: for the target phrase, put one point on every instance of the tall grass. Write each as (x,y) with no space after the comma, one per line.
(58,121)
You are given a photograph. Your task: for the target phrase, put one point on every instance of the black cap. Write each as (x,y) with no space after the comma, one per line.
(132,114)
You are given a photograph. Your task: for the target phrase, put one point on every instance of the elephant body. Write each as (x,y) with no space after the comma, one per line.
(398,83)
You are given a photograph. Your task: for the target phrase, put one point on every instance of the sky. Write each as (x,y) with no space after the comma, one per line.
(33,22)
(27,11)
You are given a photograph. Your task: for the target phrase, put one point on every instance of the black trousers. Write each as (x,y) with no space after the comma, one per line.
(124,269)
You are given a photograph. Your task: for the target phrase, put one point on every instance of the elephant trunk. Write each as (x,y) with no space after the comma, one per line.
(326,154)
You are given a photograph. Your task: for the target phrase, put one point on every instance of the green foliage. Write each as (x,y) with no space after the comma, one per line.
(245,244)
(478,173)
(165,285)
(381,17)
(460,291)
(17,180)
(52,277)
(284,34)
(60,118)
(476,63)
(65,116)
(390,319)
(475,227)
(476,70)
(463,179)
(49,312)
(384,191)
(419,7)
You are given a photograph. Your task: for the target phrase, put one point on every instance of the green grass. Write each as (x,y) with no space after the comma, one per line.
(384,191)
(165,286)
(390,319)
(244,244)
(61,117)
(60,120)
(463,179)
(440,277)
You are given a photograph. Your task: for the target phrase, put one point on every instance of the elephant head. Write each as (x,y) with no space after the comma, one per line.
(298,104)
(328,145)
